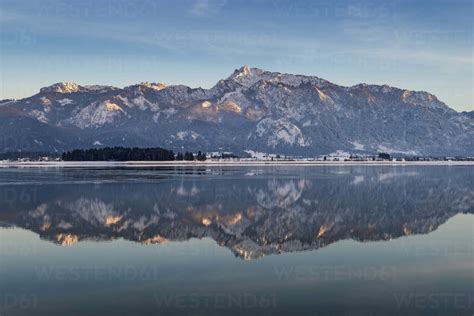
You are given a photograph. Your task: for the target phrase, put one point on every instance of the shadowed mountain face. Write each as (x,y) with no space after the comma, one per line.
(252,109)
(253,212)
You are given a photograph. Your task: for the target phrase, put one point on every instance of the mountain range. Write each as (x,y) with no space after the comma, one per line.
(252,109)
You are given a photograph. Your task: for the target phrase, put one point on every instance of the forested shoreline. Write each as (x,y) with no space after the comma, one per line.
(128,154)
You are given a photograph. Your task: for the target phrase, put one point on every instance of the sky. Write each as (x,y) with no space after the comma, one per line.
(412,44)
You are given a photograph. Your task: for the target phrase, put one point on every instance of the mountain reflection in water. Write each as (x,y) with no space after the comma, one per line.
(252,211)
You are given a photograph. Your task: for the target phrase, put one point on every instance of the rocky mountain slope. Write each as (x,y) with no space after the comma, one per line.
(252,109)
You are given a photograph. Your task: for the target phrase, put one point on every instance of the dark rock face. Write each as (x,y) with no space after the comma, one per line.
(469,114)
(253,109)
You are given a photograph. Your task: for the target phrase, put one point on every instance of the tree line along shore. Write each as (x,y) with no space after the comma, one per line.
(129,154)
(122,154)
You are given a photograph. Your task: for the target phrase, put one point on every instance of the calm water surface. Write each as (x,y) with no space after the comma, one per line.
(383,240)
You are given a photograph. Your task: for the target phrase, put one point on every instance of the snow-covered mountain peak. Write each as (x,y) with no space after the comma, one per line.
(246,71)
(100,88)
(62,87)
(242,71)
(247,76)
(145,85)
(154,85)
(71,87)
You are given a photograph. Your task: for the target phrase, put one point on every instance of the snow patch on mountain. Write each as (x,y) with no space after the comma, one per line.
(154,85)
(65,101)
(97,114)
(39,115)
(358,146)
(124,100)
(110,106)
(144,104)
(229,106)
(391,150)
(100,88)
(186,135)
(45,101)
(280,132)
(166,113)
(206,104)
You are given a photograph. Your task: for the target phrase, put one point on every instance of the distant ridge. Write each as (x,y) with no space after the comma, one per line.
(252,109)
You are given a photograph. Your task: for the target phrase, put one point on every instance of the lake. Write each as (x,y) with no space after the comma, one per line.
(237,240)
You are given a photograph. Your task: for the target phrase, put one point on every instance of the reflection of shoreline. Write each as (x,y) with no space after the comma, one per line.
(231,163)
(252,216)
(249,234)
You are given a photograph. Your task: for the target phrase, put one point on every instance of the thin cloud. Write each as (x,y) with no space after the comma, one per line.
(204,8)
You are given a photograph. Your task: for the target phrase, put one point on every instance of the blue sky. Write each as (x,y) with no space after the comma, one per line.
(419,45)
